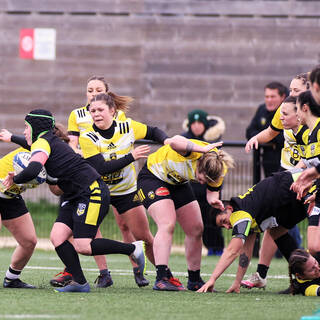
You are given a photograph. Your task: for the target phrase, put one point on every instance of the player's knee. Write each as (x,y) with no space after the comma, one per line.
(82,248)
(30,243)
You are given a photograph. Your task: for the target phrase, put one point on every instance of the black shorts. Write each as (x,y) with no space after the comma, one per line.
(291,215)
(151,189)
(125,202)
(84,214)
(12,208)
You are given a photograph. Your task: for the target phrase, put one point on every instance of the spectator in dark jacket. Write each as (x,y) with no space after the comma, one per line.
(201,126)
(274,94)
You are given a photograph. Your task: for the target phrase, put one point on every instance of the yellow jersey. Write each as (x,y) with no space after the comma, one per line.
(6,166)
(171,167)
(91,142)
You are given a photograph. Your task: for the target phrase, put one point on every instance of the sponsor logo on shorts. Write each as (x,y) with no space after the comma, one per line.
(151,195)
(81,209)
(162,192)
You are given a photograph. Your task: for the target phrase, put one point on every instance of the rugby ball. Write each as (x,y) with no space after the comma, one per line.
(21,161)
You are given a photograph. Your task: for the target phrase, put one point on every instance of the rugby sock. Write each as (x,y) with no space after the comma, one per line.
(107,246)
(194,276)
(104,272)
(70,258)
(12,274)
(169,274)
(262,269)
(286,245)
(162,271)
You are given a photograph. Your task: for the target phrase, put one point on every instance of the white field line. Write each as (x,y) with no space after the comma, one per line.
(125,272)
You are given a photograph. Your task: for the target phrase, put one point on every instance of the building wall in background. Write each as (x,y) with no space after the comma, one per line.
(171,56)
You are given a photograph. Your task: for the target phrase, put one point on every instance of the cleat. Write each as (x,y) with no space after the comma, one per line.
(17,284)
(139,256)
(104,280)
(61,279)
(141,281)
(254,281)
(74,287)
(164,285)
(195,285)
(176,282)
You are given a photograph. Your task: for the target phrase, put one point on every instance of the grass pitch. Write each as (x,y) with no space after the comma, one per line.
(124,300)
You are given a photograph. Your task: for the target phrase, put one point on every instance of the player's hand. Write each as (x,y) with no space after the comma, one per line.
(211,146)
(5,135)
(252,143)
(8,181)
(217,204)
(235,287)
(141,152)
(304,182)
(207,287)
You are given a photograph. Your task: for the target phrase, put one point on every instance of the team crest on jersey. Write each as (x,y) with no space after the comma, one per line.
(81,209)
(113,156)
(263,121)
(151,195)
(162,192)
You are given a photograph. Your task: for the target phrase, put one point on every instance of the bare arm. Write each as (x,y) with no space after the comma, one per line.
(228,256)
(244,260)
(74,143)
(184,146)
(264,136)
(213,199)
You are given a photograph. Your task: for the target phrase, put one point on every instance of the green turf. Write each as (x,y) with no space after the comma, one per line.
(124,300)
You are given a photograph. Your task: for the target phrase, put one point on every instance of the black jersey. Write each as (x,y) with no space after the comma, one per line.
(73,172)
(266,205)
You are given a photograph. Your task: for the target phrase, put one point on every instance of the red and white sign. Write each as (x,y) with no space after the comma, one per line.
(38,44)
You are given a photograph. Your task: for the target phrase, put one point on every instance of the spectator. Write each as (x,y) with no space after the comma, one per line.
(201,126)
(274,94)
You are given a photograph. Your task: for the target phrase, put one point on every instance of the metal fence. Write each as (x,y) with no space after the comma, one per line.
(43,205)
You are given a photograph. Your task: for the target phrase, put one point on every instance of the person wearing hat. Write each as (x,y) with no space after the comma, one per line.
(86,198)
(201,126)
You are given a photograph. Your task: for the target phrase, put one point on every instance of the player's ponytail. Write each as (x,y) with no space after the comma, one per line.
(214,164)
(297,261)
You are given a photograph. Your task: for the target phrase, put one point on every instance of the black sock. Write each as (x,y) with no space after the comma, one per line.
(286,245)
(194,275)
(70,258)
(107,246)
(104,271)
(169,274)
(262,269)
(161,271)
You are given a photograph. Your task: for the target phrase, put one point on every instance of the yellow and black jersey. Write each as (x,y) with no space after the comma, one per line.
(118,145)
(310,288)
(276,123)
(170,166)
(266,205)
(6,166)
(290,154)
(311,152)
(73,172)
(80,120)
